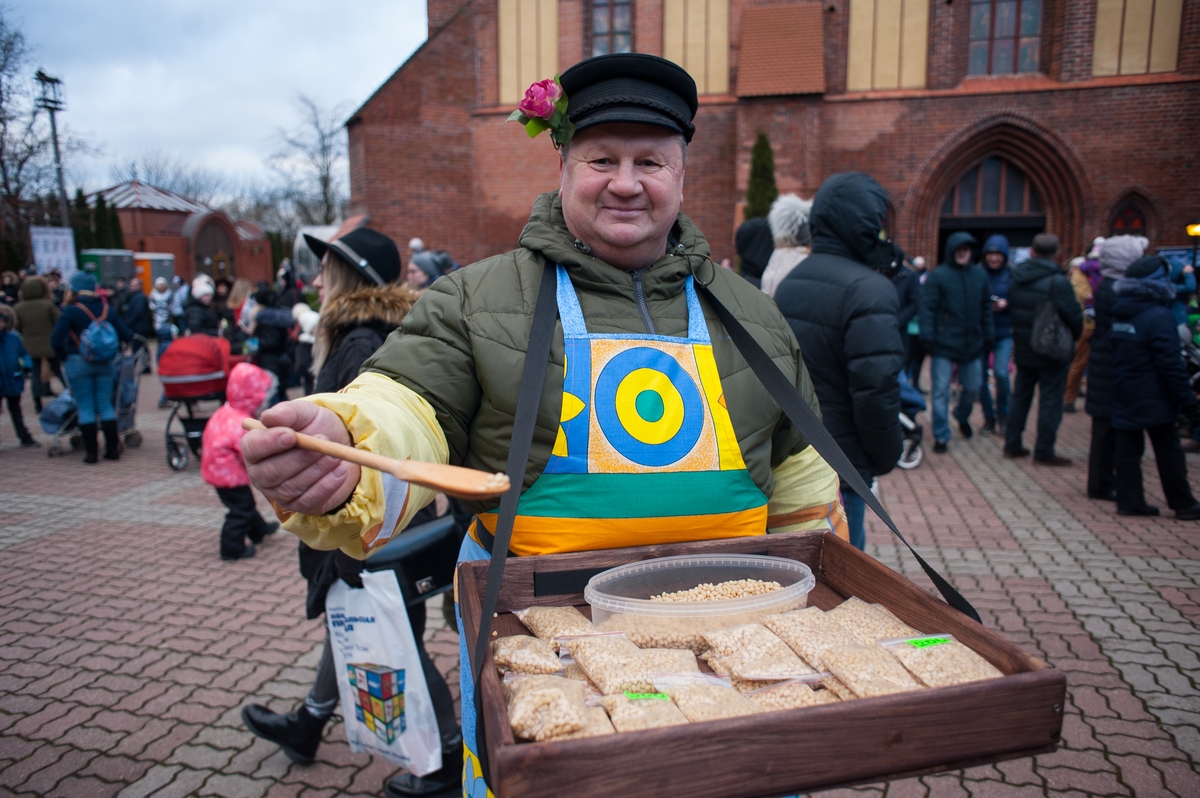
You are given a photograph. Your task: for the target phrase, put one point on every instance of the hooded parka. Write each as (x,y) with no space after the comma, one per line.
(1116,255)
(955,307)
(1033,281)
(844,314)
(36,316)
(998,283)
(462,347)
(221,463)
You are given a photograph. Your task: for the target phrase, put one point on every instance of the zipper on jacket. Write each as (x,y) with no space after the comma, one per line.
(640,292)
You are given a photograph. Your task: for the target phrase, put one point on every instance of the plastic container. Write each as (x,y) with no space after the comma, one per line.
(620,597)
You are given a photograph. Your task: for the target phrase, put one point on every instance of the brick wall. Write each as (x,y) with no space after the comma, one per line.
(1086,148)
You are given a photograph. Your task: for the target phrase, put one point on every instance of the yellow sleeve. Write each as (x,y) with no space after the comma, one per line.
(806,496)
(387,418)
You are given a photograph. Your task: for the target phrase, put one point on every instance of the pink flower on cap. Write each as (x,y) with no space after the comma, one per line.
(540,99)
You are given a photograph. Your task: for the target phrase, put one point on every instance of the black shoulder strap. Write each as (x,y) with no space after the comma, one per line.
(529,398)
(799,413)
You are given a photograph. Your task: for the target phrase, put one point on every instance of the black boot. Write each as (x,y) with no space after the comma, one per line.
(297,733)
(443,783)
(90,447)
(112,440)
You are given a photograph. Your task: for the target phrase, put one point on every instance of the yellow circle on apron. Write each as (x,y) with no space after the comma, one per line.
(649,406)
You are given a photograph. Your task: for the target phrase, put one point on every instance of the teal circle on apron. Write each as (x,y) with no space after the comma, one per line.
(648,407)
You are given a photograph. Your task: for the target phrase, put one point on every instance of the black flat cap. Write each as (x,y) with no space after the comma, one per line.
(631,87)
(369,251)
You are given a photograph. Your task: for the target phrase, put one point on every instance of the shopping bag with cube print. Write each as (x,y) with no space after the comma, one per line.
(385,699)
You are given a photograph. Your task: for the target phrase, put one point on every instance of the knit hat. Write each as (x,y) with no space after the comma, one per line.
(1147,265)
(202,286)
(788,219)
(1117,253)
(1094,252)
(83,281)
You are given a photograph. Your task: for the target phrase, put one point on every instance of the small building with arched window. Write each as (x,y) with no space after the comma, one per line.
(1011,116)
(203,240)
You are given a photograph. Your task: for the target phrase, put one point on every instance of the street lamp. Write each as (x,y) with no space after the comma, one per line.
(1193,229)
(52,101)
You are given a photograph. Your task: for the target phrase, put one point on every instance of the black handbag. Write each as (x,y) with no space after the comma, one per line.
(423,558)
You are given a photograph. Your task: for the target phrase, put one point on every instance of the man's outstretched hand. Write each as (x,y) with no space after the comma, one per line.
(304,482)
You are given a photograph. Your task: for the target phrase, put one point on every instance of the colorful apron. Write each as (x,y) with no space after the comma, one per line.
(644,419)
(645,454)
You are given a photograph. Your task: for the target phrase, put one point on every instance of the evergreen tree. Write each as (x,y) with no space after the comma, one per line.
(116,236)
(81,222)
(278,252)
(761,190)
(100,223)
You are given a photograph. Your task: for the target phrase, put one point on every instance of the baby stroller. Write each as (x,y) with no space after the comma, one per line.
(60,417)
(192,370)
(911,403)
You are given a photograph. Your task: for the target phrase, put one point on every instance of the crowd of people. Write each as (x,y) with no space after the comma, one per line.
(1119,313)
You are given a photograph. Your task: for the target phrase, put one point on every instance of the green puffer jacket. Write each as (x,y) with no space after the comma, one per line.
(462,347)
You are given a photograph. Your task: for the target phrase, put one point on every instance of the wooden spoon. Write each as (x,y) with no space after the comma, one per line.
(462,483)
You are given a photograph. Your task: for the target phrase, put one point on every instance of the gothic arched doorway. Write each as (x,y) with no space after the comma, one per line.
(992,196)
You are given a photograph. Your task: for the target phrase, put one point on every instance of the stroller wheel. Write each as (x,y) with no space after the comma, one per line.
(177,456)
(133,439)
(911,455)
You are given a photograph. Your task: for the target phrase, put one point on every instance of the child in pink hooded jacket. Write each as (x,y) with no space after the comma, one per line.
(221,462)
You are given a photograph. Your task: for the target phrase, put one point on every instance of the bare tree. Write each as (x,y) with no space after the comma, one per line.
(312,162)
(157,168)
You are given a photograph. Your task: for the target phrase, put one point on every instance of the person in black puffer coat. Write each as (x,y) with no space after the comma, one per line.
(271,325)
(956,329)
(844,314)
(200,316)
(1033,282)
(1150,389)
(1115,256)
(754,245)
(360,306)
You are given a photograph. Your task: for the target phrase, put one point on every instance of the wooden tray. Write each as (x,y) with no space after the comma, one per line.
(773,753)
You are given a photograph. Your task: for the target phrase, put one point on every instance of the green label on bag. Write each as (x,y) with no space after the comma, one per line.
(929,641)
(645,696)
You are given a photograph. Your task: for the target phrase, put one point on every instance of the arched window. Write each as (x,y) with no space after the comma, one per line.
(992,188)
(1128,220)
(611,27)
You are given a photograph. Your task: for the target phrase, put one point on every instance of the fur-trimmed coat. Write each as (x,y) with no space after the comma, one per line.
(353,326)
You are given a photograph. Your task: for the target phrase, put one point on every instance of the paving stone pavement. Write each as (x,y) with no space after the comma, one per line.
(127,647)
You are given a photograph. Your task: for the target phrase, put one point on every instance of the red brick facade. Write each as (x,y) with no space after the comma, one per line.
(432,156)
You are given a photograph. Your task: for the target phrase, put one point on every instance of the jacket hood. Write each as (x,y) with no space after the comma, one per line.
(754,243)
(385,305)
(848,215)
(546,232)
(955,241)
(1157,290)
(248,387)
(996,243)
(33,288)
(1033,270)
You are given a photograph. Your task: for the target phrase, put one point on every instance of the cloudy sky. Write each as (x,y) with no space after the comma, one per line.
(210,81)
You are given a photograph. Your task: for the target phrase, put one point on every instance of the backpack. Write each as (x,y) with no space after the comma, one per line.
(1050,338)
(99,343)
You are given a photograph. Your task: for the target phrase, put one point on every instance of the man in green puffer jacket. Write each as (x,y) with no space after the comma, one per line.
(651,427)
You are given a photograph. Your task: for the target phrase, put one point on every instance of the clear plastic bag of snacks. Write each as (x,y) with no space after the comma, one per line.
(940,660)
(612,663)
(670,660)
(702,697)
(868,622)
(551,623)
(524,654)
(595,724)
(752,651)
(792,694)
(808,632)
(836,686)
(544,707)
(869,670)
(637,711)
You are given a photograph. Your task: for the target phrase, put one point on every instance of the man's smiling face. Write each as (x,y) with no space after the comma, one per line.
(621,187)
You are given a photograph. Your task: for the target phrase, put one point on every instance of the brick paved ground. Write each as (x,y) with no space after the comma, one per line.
(127,647)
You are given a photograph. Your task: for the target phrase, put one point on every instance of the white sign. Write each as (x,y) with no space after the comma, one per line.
(54,248)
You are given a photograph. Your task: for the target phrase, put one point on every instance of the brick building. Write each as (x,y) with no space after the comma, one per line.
(1080,117)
